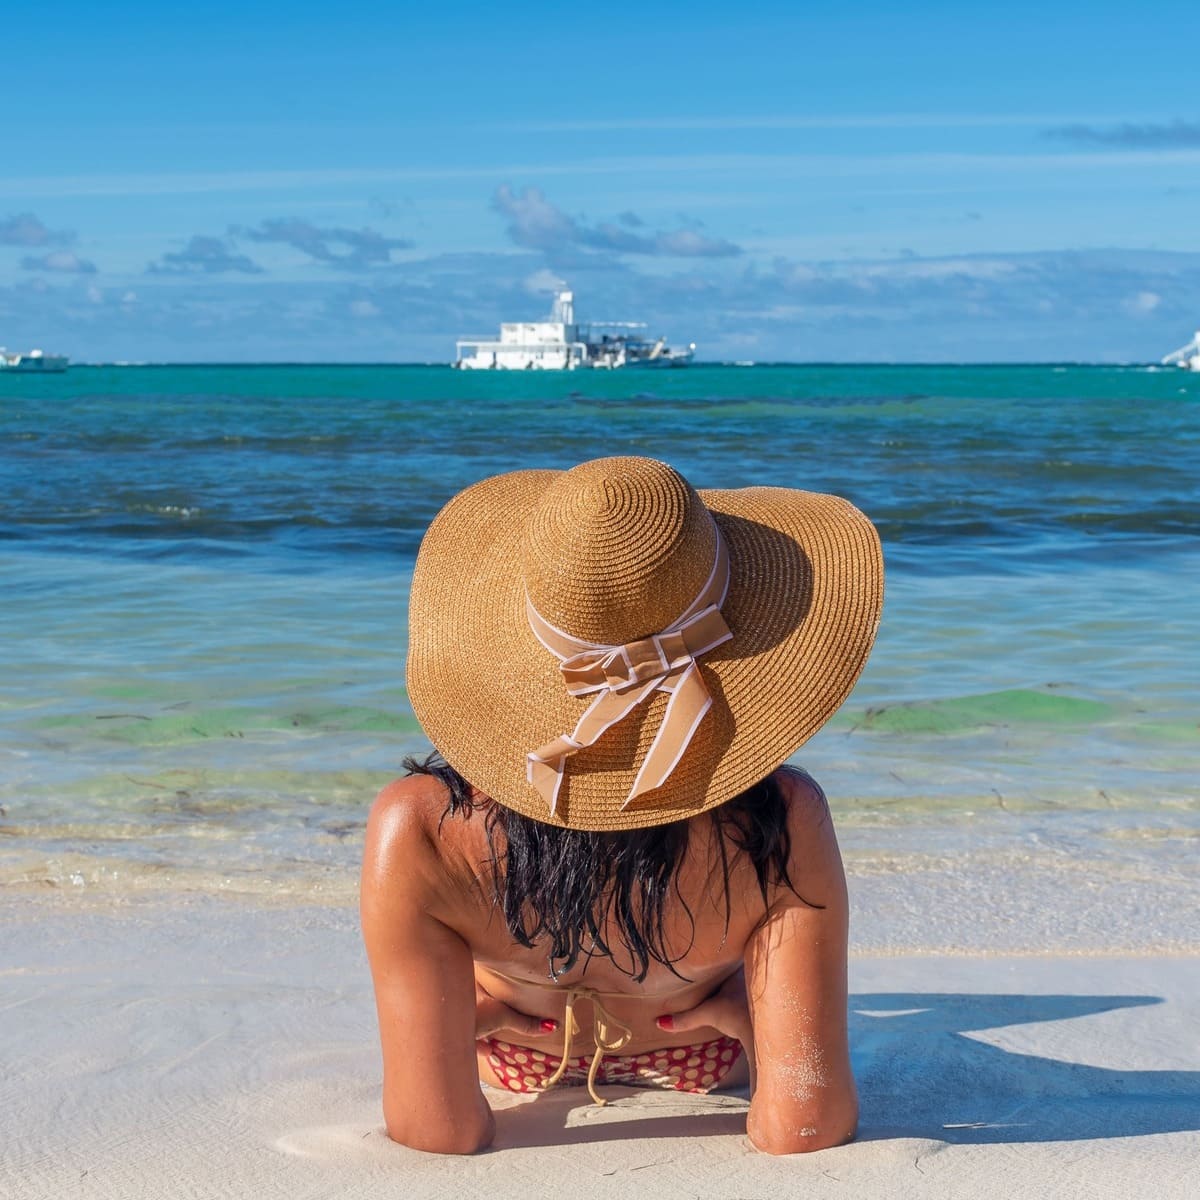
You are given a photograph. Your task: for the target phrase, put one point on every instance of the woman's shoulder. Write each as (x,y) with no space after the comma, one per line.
(411,850)
(402,839)
(407,810)
(804,802)
(813,859)
(801,792)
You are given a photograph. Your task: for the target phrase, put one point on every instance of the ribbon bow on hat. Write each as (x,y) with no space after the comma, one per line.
(622,677)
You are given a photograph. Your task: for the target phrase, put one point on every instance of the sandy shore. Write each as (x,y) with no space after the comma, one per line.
(209,1047)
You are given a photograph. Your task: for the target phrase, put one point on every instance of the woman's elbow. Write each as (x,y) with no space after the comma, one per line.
(780,1133)
(443,1137)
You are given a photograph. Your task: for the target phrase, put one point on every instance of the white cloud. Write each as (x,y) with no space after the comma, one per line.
(25,229)
(537,224)
(543,280)
(777,165)
(204,255)
(350,249)
(1141,304)
(800,121)
(60,261)
(966,308)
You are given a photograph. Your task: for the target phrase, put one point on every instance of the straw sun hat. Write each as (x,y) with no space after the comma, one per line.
(606,648)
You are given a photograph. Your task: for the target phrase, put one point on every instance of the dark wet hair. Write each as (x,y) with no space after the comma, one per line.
(561,888)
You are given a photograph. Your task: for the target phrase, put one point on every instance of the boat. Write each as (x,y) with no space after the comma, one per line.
(1187,357)
(560,343)
(35,362)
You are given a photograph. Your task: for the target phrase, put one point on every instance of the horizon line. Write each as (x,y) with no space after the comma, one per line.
(739,364)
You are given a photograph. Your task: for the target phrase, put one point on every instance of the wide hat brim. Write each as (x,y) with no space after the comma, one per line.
(804,601)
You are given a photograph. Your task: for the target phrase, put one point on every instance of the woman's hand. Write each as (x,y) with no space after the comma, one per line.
(492,1016)
(726,1010)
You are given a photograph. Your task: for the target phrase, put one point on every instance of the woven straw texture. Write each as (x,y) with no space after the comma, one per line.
(615,550)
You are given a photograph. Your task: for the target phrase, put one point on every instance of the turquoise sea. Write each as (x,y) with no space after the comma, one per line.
(204,574)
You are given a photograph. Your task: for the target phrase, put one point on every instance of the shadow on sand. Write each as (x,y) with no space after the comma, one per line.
(921,1074)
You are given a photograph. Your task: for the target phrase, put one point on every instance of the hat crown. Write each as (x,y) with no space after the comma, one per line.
(617,549)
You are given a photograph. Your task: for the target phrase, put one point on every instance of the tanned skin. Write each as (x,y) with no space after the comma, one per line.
(775,979)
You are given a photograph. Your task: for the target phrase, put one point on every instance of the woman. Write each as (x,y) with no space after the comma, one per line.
(613,880)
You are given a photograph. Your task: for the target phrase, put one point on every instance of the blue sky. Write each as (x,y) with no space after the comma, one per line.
(367,182)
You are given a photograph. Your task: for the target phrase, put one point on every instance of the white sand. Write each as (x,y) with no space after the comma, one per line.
(203,1047)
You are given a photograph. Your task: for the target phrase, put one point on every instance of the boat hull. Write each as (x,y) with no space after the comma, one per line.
(33,364)
(560,343)
(664,362)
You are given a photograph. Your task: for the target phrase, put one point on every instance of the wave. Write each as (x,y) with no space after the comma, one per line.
(193,529)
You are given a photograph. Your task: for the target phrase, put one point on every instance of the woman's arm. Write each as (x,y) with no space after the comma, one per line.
(424,983)
(804,1098)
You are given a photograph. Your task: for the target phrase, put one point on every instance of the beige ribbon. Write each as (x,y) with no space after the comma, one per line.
(622,677)
(602,1033)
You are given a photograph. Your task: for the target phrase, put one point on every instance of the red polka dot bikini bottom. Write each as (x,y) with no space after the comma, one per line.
(678,1068)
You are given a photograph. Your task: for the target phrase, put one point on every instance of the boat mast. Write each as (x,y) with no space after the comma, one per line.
(563,312)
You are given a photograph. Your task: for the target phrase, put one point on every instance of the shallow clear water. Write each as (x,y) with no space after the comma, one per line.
(204,574)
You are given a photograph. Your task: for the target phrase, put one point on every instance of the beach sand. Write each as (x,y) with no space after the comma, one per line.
(197,1045)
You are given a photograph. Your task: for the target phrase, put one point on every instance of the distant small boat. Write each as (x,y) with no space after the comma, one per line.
(1187,357)
(560,343)
(36,362)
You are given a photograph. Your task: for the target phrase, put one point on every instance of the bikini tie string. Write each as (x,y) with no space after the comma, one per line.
(604,1025)
(622,677)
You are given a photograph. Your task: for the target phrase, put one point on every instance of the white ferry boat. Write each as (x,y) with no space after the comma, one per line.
(560,343)
(36,362)
(1187,357)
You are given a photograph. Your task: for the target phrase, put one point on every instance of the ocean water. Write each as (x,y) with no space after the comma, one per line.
(204,574)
